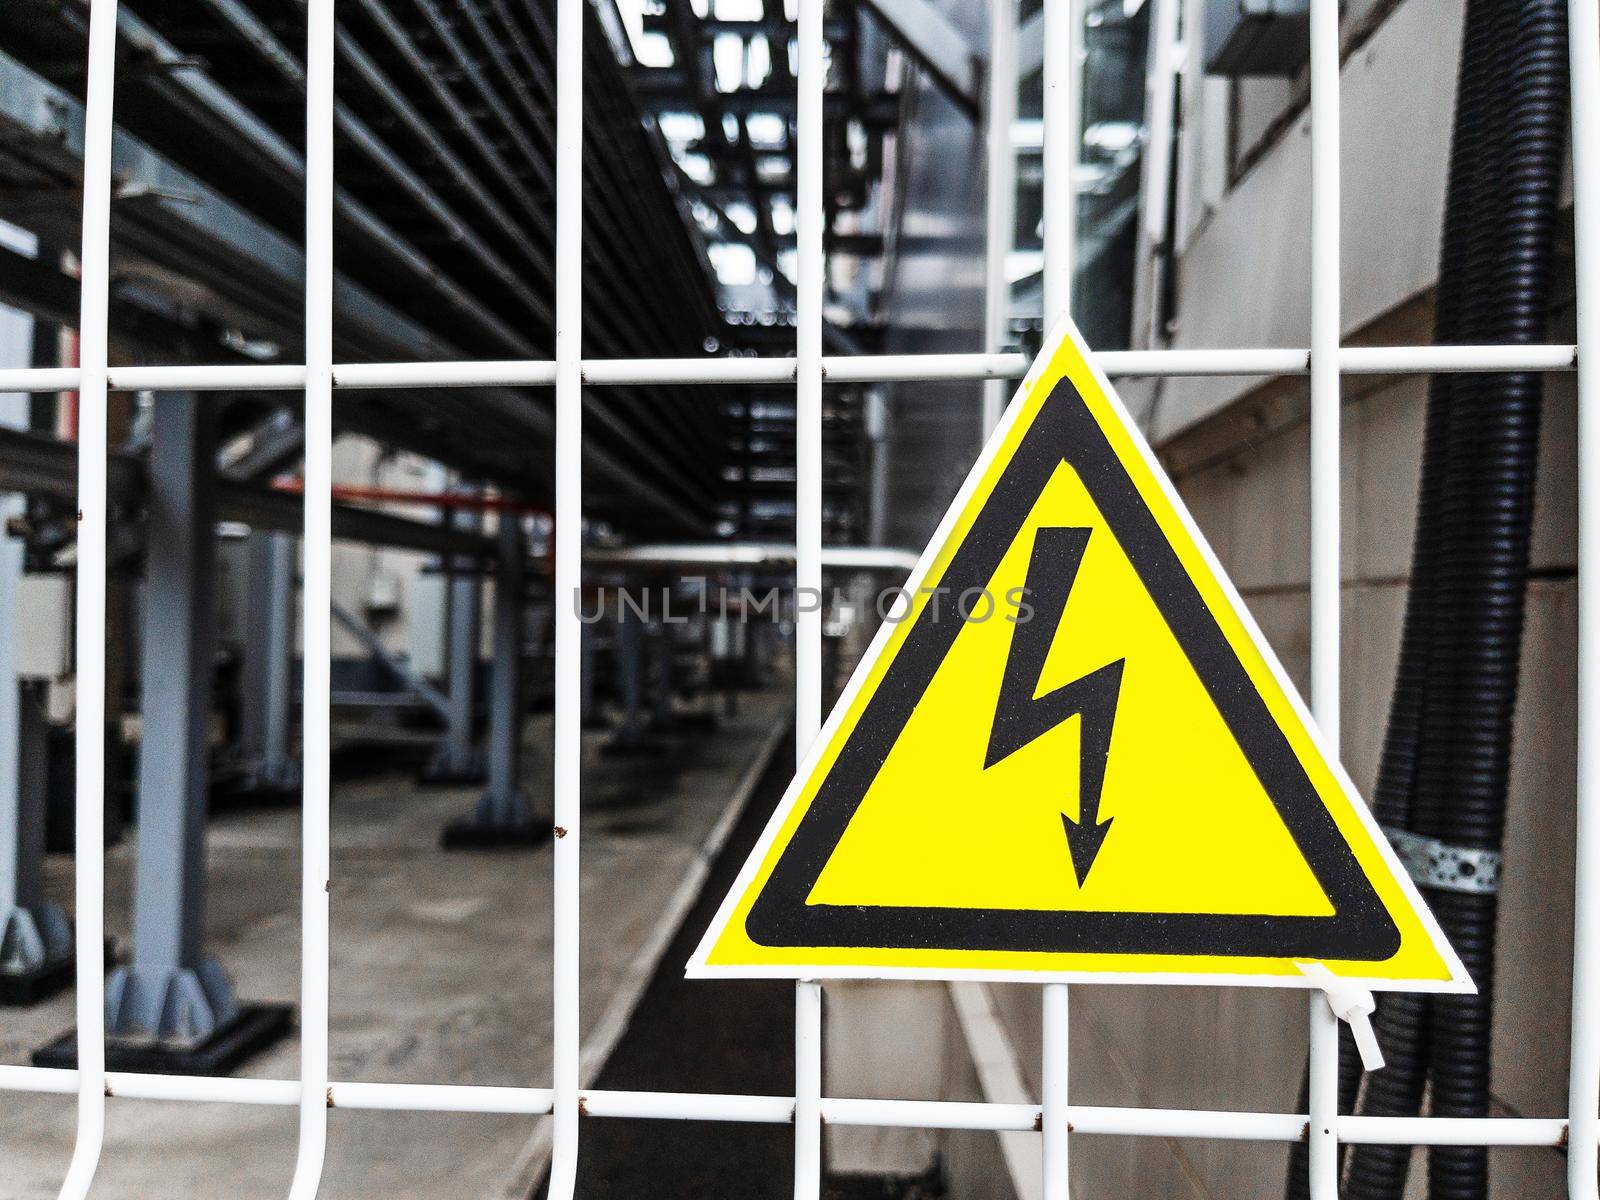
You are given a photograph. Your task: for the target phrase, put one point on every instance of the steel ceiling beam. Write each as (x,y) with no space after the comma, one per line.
(938,46)
(43,466)
(255,275)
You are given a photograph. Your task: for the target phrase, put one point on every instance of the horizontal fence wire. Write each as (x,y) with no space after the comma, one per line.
(863,368)
(1102,1120)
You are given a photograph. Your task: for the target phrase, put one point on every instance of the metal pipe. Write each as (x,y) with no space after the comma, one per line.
(607,333)
(473,501)
(889,559)
(267,148)
(643,464)
(625,237)
(262,39)
(164,228)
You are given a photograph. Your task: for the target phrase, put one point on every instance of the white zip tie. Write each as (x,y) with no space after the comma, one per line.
(1352,1005)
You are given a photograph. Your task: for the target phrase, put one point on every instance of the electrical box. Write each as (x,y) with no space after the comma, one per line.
(426,614)
(44,626)
(1257,37)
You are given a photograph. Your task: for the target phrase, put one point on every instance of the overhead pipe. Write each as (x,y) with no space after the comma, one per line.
(752,555)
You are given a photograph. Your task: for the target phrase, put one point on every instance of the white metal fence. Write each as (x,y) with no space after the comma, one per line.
(1323,360)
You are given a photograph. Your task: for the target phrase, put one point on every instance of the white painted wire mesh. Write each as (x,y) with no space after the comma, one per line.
(1323,360)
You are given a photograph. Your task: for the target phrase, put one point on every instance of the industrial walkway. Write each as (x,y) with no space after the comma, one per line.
(440,974)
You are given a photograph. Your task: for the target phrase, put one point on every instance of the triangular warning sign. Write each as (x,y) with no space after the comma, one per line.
(1069,754)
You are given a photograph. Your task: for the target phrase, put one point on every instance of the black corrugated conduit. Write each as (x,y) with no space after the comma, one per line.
(1446,755)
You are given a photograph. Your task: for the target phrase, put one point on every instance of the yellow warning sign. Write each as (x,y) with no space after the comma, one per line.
(1069,754)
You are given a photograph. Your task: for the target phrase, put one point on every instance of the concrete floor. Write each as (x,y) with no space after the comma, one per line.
(440,974)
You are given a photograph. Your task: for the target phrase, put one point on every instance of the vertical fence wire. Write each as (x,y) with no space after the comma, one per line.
(90,784)
(1061,115)
(1583,1101)
(1325,567)
(566,1033)
(810,83)
(1000,213)
(1053,1094)
(1160,106)
(317,605)
(1063,27)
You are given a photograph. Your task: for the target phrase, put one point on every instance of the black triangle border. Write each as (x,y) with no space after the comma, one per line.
(1064,429)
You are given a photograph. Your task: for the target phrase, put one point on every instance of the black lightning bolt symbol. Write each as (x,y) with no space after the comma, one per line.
(1020,717)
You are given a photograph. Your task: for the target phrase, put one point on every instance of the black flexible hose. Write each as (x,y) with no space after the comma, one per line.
(1447,750)
(1403,1021)
(1496,439)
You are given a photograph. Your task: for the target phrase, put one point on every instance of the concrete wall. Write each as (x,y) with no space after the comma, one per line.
(1238,450)
(1245,249)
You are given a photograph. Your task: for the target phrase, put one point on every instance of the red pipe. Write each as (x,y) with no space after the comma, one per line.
(382,495)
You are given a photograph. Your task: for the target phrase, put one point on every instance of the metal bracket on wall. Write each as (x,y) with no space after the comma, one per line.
(1443,867)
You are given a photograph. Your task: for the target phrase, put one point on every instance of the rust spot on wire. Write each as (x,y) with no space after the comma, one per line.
(109,1092)
(330,1098)
(583,1106)
(1305,1132)
(1038,1122)
(327,886)
(1561,1142)
(792,1109)
(80,514)
(561,831)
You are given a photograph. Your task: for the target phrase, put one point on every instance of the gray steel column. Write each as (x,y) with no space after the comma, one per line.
(173,992)
(664,643)
(586,691)
(266,679)
(458,758)
(630,669)
(877,422)
(633,623)
(35,934)
(503,803)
